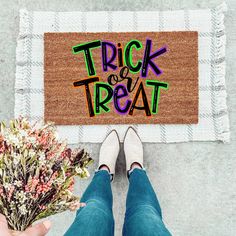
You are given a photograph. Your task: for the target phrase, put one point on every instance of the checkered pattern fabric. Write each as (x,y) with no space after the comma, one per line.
(213,115)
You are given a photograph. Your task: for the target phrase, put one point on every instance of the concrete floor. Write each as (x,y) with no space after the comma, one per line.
(195,182)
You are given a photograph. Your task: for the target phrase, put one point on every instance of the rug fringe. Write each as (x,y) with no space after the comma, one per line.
(219,64)
(21,61)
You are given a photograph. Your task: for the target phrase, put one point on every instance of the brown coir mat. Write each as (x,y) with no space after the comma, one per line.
(121,78)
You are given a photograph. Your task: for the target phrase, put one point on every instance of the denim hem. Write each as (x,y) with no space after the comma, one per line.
(111,175)
(129,172)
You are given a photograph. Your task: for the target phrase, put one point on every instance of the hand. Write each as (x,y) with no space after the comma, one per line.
(40,229)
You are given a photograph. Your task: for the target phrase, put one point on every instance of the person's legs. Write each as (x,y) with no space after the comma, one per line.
(143,213)
(96,218)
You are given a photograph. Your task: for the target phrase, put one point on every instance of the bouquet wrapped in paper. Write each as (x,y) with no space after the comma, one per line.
(36,172)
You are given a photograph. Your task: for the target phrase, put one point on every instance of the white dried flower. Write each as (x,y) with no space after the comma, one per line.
(21,196)
(7,186)
(18,183)
(23,209)
(32,140)
(41,156)
(23,133)
(87,173)
(78,170)
(13,139)
(31,153)
(16,158)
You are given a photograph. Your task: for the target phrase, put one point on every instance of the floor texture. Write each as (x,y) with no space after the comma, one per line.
(195,182)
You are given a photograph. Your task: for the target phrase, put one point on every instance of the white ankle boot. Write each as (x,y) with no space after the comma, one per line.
(133,148)
(109,151)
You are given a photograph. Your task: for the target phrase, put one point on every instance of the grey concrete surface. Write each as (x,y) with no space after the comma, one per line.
(195,182)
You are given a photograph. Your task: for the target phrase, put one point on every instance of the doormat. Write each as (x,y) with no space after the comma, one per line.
(121,78)
(213,122)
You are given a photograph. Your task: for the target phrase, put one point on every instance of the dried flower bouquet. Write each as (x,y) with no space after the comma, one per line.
(36,172)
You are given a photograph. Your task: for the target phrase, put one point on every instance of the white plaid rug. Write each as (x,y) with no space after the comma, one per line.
(213,115)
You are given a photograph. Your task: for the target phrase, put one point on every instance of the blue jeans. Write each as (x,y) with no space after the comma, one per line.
(143,215)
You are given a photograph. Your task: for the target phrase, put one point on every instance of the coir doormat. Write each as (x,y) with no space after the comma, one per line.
(121,78)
